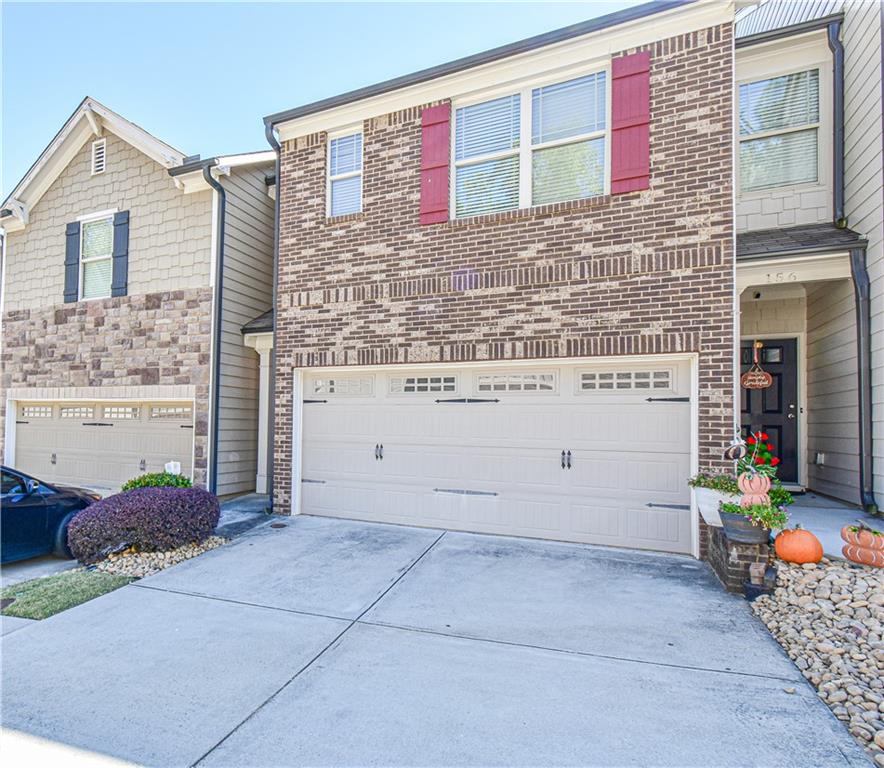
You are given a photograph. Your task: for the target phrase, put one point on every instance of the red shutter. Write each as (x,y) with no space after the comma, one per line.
(630,120)
(435,151)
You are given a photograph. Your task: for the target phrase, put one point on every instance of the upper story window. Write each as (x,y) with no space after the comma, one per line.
(345,175)
(99,156)
(779,127)
(538,146)
(96,257)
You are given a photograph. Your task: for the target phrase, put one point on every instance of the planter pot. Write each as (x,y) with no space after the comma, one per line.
(863,546)
(738,528)
(708,502)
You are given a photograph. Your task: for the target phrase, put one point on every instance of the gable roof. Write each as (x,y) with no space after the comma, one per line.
(90,119)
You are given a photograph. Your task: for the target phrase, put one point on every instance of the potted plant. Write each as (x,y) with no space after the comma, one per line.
(752,524)
(710,491)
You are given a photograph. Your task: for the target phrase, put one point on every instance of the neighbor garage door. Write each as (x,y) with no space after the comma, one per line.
(591,453)
(101,445)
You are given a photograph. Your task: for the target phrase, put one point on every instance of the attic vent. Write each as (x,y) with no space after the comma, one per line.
(99,155)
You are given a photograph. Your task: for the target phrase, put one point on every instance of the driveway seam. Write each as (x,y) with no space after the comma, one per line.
(332,643)
(571,652)
(241,602)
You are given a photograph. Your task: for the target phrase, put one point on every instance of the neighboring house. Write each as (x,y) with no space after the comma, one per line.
(128,270)
(505,285)
(809,233)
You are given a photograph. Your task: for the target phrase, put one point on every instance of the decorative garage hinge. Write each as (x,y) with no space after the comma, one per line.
(315,401)
(319,482)
(668,506)
(97,424)
(464,492)
(469,400)
(667,399)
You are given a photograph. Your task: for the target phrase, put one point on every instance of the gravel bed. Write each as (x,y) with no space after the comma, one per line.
(830,620)
(140,564)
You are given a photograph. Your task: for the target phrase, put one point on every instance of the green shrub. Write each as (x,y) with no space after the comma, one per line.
(158,480)
(779,496)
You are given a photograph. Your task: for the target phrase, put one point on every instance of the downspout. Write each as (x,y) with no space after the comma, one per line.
(216,328)
(271,431)
(834,36)
(861,286)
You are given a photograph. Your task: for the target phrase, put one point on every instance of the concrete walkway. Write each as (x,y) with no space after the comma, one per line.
(825,517)
(330,643)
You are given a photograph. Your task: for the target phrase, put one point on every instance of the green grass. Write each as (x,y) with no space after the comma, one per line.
(46,596)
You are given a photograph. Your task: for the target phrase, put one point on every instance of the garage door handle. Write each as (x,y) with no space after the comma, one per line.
(563,459)
(569,459)
(381,454)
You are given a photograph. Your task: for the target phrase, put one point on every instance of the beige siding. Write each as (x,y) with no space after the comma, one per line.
(248,286)
(833,414)
(864,180)
(773,317)
(169,232)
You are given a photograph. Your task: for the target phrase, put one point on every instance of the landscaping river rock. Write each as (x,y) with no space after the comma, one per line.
(140,564)
(830,619)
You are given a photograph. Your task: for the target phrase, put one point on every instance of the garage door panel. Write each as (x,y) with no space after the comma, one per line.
(103,457)
(496,467)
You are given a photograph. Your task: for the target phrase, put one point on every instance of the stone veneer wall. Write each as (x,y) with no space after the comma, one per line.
(151,339)
(637,273)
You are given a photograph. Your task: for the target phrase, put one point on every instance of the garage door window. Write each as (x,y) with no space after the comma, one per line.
(404,385)
(516,382)
(36,411)
(625,380)
(171,412)
(77,411)
(121,412)
(343,386)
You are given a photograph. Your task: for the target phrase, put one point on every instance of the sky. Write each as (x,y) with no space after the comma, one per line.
(201,76)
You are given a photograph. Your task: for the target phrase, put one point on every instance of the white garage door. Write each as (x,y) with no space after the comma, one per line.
(101,445)
(593,453)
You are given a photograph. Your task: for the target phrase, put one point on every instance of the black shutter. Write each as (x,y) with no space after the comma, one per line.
(120,281)
(72,262)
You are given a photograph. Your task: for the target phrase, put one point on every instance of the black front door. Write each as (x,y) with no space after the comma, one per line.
(774,410)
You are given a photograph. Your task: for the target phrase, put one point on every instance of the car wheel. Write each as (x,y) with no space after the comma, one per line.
(61,549)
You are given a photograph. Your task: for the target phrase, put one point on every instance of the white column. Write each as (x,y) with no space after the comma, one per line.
(262,343)
(263,419)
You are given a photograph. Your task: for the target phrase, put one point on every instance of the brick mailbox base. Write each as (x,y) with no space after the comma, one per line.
(731,559)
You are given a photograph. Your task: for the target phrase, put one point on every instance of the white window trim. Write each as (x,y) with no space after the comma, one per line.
(331,136)
(526,149)
(88,218)
(817,126)
(103,142)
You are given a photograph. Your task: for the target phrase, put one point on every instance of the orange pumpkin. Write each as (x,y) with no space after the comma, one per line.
(798,546)
(863,555)
(862,537)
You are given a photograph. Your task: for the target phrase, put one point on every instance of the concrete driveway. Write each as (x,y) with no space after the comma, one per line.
(334,643)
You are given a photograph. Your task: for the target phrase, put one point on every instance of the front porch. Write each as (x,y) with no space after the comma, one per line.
(803,313)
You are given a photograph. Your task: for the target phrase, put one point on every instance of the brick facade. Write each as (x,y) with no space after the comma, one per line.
(639,273)
(154,339)
(730,560)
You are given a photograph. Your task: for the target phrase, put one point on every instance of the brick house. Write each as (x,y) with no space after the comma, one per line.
(128,271)
(505,286)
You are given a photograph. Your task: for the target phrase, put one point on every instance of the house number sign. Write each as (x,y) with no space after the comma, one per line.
(755,377)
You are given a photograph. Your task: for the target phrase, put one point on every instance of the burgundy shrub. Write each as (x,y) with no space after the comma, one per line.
(148,519)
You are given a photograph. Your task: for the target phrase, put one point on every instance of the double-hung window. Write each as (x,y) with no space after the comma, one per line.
(96,257)
(779,131)
(345,175)
(538,146)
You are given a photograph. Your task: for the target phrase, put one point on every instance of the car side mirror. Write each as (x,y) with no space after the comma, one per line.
(31,486)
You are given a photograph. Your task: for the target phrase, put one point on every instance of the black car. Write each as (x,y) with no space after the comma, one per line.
(35,515)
